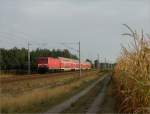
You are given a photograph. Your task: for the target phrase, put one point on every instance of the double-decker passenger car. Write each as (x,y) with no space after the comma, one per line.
(60,64)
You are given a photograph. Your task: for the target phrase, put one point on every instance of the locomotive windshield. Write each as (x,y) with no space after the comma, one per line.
(43,60)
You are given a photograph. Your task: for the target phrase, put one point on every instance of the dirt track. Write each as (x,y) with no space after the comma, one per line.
(94,108)
(63,106)
(97,98)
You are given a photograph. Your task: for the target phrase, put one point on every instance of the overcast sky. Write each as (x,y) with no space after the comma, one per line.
(96,23)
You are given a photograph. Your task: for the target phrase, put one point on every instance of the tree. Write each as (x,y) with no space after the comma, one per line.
(17,59)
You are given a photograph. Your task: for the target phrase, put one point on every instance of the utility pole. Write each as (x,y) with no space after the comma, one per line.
(105,63)
(80,58)
(29,72)
(98,64)
(0,62)
(77,50)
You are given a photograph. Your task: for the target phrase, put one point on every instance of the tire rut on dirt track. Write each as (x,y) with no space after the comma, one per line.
(86,101)
(95,106)
(65,105)
(96,100)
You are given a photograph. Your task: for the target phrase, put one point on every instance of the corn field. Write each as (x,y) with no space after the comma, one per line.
(132,74)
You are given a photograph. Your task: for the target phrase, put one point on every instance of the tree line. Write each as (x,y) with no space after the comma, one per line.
(17,59)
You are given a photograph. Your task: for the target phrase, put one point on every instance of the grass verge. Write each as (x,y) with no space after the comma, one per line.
(41,100)
(23,86)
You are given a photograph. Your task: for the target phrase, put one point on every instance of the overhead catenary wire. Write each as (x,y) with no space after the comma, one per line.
(6,37)
(77,50)
(12,39)
(65,44)
(19,35)
(13,36)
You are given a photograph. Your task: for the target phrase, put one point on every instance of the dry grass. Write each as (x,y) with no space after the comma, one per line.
(23,86)
(20,87)
(133,75)
(6,75)
(38,100)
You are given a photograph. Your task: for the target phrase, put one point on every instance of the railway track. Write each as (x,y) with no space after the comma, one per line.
(32,77)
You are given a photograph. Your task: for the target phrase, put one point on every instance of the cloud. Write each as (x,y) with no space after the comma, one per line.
(97,23)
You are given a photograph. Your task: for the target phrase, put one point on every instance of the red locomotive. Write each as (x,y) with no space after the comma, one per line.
(60,64)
